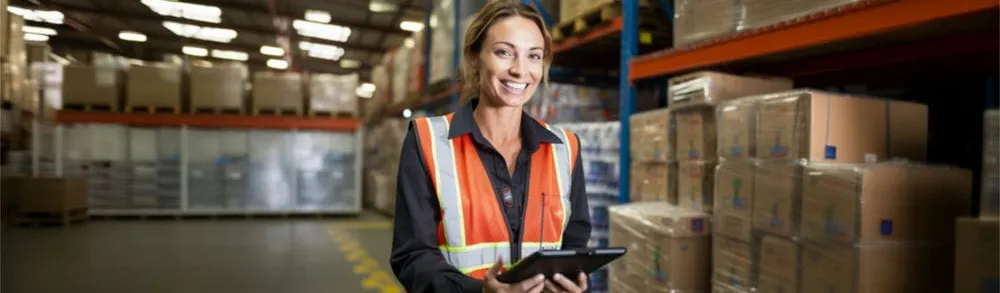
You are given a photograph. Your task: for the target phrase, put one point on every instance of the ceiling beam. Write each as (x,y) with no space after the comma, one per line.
(268,33)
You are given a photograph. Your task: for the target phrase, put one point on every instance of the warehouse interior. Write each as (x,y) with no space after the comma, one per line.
(732,146)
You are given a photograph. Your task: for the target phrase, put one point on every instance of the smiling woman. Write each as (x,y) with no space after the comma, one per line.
(485,186)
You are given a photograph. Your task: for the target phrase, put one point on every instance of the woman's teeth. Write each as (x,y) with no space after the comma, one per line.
(516,85)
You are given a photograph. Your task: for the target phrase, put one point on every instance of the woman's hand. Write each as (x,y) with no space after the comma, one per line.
(491,285)
(560,284)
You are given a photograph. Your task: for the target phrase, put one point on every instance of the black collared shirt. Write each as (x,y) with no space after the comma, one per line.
(416,259)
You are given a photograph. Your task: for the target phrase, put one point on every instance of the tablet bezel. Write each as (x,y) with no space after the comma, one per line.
(550,262)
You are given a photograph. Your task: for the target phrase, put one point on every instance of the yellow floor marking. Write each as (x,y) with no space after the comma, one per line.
(374,277)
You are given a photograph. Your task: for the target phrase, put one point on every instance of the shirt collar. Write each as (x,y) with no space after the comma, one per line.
(533,132)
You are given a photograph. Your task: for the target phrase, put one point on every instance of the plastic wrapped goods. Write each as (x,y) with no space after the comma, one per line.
(700,20)
(401,74)
(695,180)
(218,86)
(277,91)
(976,269)
(737,128)
(990,197)
(821,126)
(333,93)
(92,85)
(777,198)
(761,13)
(734,197)
(153,84)
(733,265)
(709,87)
(669,248)
(651,139)
(696,137)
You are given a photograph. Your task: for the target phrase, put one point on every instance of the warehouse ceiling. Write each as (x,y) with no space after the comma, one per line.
(340,36)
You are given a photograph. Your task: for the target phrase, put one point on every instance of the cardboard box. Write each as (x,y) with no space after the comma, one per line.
(989,205)
(153,85)
(51,194)
(875,203)
(737,128)
(777,198)
(652,136)
(695,133)
(220,86)
(654,182)
(779,265)
(92,85)
(886,268)
(695,181)
(820,126)
(277,91)
(669,248)
(976,255)
(697,20)
(734,194)
(760,13)
(732,264)
(708,87)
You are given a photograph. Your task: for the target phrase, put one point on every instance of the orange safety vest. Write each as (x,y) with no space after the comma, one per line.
(472,232)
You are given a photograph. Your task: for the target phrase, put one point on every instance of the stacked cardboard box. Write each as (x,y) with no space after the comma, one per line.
(699,20)
(653,160)
(218,86)
(669,248)
(990,192)
(153,85)
(277,91)
(92,85)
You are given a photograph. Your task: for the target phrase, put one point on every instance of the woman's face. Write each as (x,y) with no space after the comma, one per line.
(511,61)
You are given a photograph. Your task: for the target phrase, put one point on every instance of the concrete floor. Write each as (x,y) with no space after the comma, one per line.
(339,255)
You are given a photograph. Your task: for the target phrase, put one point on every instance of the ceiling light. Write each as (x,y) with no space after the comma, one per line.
(230,55)
(370,87)
(272,50)
(132,36)
(348,63)
(321,30)
(382,6)
(364,94)
(322,51)
(215,34)
(39,30)
(36,37)
(409,42)
(195,51)
(407,113)
(434,21)
(190,11)
(50,16)
(318,16)
(277,63)
(413,26)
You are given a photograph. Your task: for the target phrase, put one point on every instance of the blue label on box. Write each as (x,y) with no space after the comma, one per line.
(886,227)
(697,225)
(736,151)
(830,152)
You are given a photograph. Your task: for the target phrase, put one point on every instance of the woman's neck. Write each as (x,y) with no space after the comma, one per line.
(498,124)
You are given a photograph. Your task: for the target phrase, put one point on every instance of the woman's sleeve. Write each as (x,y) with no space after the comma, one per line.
(577,233)
(416,260)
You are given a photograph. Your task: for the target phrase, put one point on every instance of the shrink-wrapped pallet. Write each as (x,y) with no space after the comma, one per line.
(277,92)
(218,87)
(696,138)
(650,135)
(330,93)
(153,84)
(695,180)
(668,248)
(737,128)
(654,181)
(709,87)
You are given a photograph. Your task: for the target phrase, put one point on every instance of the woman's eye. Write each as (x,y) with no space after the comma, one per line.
(535,56)
(502,52)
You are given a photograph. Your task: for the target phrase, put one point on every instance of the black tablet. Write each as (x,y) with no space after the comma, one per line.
(568,263)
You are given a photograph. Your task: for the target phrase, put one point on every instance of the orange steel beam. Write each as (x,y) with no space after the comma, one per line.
(860,19)
(211,121)
(574,41)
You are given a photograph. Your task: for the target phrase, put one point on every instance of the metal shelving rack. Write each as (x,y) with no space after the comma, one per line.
(309,131)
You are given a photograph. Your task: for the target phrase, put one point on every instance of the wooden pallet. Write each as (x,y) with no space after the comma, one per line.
(153,109)
(217,110)
(595,16)
(276,112)
(91,107)
(332,114)
(64,218)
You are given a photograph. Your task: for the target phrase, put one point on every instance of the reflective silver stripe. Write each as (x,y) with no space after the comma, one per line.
(562,157)
(527,248)
(471,259)
(449,196)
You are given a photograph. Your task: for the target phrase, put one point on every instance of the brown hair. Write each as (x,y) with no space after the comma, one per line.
(476,33)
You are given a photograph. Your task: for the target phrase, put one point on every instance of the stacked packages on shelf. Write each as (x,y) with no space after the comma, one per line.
(977,238)
(698,20)
(383,147)
(599,150)
(568,103)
